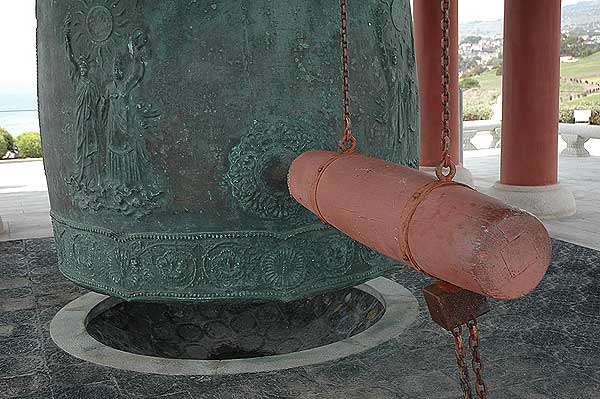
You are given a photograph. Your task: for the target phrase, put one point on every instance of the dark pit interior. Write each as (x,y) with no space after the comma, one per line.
(234,330)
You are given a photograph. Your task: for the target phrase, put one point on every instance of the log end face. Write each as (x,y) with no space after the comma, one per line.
(523,258)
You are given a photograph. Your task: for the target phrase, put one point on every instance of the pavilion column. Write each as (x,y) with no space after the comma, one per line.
(530,90)
(428,36)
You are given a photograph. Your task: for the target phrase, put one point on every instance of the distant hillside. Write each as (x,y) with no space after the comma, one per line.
(584,15)
(581,14)
(482,28)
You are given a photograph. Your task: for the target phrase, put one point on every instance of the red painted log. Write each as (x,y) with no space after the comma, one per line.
(448,231)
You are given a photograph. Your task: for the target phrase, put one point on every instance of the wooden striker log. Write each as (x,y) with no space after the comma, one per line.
(448,231)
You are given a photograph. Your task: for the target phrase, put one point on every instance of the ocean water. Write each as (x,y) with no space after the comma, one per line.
(19,122)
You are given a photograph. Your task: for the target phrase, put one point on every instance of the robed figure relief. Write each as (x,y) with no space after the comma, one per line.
(86,114)
(125,150)
(113,169)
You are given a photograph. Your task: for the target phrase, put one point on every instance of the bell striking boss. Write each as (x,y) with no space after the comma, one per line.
(443,229)
(168,128)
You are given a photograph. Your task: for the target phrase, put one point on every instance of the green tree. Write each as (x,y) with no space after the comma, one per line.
(8,138)
(567,112)
(477,112)
(472,39)
(29,145)
(575,46)
(468,83)
(3,146)
(479,69)
(566,115)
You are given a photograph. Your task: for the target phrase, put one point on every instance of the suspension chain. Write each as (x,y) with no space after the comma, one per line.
(476,363)
(347,144)
(461,353)
(446,161)
(348,141)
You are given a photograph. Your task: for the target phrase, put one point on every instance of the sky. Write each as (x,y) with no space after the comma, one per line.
(17,45)
(487,10)
(17,37)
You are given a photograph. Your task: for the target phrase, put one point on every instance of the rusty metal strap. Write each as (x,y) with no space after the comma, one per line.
(409,211)
(321,172)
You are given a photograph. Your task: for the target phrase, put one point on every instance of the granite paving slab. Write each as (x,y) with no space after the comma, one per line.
(546,345)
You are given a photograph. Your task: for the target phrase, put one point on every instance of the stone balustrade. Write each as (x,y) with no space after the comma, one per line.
(473,128)
(575,135)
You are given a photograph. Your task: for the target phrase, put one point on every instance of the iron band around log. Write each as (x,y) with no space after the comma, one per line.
(322,170)
(409,211)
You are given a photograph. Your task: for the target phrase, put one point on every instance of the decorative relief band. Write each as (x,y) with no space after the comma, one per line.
(197,266)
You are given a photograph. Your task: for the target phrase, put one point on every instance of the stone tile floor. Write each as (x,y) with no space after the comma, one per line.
(24,204)
(544,346)
(27,215)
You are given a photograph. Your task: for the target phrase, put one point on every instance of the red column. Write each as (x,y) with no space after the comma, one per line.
(428,35)
(530,88)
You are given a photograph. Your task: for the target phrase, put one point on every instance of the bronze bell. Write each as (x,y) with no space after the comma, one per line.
(168,129)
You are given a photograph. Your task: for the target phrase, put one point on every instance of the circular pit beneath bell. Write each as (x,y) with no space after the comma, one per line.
(213,338)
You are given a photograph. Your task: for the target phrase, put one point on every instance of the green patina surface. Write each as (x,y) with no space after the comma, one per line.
(168,128)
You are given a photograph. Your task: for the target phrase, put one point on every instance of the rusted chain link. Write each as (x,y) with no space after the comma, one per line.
(446,161)
(348,141)
(477,364)
(461,353)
